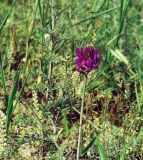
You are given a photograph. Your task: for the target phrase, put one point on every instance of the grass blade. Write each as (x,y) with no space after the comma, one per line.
(6,17)
(19,95)
(100,150)
(88,146)
(93,17)
(120,56)
(1,63)
(123,13)
(3,80)
(11,99)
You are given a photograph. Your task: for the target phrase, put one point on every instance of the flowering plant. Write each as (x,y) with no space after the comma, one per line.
(87,59)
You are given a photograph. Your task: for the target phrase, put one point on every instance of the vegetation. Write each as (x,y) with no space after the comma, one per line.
(41,91)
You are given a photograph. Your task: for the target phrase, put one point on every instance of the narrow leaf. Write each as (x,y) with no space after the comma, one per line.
(93,17)
(100,150)
(6,17)
(119,55)
(88,146)
(11,99)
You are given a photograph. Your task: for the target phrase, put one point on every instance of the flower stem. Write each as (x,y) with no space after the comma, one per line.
(80,123)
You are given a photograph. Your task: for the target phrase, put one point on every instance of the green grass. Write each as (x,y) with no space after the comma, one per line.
(41,92)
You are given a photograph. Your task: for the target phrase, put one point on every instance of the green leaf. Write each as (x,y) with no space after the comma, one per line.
(65,124)
(11,99)
(88,146)
(21,138)
(93,17)
(3,79)
(123,12)
(19,95)
(2,71)
(119,55)
(100,150)
(6,17)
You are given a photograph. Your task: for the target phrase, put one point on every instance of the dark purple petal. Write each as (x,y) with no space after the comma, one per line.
(87,59)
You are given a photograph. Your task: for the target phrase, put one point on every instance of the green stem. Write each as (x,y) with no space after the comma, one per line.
(3,81)
(52,30)
(80,123)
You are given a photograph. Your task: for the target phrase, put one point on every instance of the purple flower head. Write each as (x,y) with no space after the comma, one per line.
(87,59)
